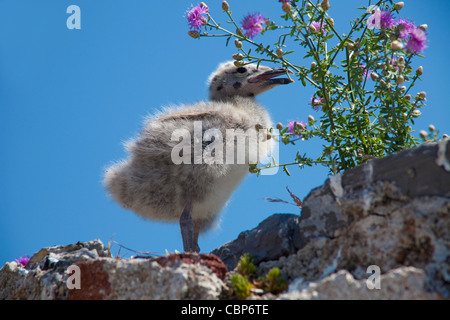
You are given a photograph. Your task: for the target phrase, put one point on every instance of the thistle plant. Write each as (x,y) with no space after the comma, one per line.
(364,103)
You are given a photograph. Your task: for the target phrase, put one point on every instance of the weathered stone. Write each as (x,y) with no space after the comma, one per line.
(367,217)
(405,283)
(413,173)
(274,237)
(208,260)
(141,279)
(44,276)
(393,213)
(184,276)
(17,284)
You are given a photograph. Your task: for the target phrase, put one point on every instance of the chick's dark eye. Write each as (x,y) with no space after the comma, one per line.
(241,70)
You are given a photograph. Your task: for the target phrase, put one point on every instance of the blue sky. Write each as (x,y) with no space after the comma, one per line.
(69,98)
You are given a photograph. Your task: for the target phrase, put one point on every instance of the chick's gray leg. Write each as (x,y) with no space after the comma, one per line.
(196,232)
(189,234)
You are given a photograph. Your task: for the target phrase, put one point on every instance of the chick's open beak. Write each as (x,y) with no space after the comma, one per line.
(269,77)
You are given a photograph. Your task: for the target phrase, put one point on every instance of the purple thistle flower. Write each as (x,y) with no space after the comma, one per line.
(315,103)
(293,125)
(194,16)
(252,24)
(405,27)
(386,20)
(319,26)
(381,19)
(416,42)
(23,260)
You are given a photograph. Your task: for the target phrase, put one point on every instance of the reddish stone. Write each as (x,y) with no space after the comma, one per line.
(208,260)
(94,282)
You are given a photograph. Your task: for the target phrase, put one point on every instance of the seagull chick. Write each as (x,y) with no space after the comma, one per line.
(185,163)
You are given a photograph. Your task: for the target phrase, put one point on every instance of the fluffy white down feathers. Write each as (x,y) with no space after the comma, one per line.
(153,186)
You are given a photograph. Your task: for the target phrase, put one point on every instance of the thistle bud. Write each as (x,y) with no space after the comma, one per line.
(331,22)
(279,126)
(419,71)
(396,45)
(398,6)
(431,128)
(312,28)
(308,6)
(422,94)
(325,5)
(258,126)
(424,27)
(279,53)
(225,6)
(416,113)
(237,56)
(408,97)
(400,80)
(383,83)
(423,134)
(313,65)
(311,119)
(350,46)
(238,44)
(203,5)
(238,63)
(194,34)
(286,7)
(374,76)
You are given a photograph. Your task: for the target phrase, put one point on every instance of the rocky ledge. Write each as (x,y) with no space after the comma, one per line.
(379,231)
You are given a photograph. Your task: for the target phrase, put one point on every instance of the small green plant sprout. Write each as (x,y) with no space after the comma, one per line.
(242,281)
(363,77)
(246,266)
(241,286)
(273,282)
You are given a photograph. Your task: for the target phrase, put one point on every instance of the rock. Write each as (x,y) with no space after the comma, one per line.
(208,260)
(146,279)
(46,275)
(276,236)
(405,283)
(414,173)
(390,212)
(16,284)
